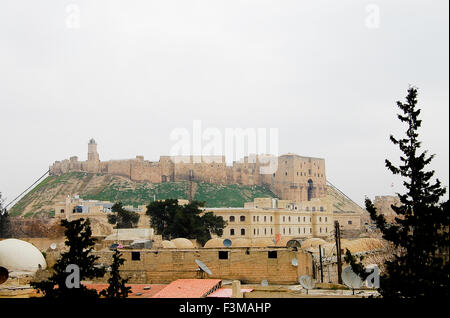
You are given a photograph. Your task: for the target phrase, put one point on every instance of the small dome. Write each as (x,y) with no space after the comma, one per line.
(167,244)
(313,242)
(262,242)
(20,256)
(182,243)
(214,242)
(283,241)
(241,242)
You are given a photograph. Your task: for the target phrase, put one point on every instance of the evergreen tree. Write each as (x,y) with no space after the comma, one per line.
(122,218)
(116,288)
(171,220)
(420,233)
(80,243)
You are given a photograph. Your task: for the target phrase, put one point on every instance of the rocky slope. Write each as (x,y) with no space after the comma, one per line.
(41,199)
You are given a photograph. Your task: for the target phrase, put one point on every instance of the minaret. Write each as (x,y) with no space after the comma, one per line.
(92,151)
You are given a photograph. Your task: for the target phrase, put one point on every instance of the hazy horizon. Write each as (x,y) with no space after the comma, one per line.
(327,75)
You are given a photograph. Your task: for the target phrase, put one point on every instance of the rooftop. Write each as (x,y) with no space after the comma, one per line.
(189,288)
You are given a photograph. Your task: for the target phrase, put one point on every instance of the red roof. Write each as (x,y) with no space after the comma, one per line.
(137,290)
(227,292)
(189,288)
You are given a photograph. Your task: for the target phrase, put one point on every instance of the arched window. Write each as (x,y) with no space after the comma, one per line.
(232,218)
(242,218)
(231,231)
(310,188)
(242,231)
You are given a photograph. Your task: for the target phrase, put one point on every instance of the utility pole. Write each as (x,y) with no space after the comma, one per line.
(337,235)
(321,265)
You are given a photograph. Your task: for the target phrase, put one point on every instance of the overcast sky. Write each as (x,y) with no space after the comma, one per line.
(327,74)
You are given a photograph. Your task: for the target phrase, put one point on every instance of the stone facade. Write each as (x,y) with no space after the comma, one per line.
(269,218)
(249,265)
(297,178)
(383,205)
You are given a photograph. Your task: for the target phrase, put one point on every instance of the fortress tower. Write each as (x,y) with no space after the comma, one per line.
(93,162)
(92,151)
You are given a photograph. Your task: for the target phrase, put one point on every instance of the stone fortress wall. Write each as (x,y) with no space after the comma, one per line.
(297,178)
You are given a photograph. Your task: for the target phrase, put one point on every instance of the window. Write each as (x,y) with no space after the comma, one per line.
(265,231)
(242,231)
(304,219)
(326,230)
(135,256)
(349,222)
(264,218)
(257,218)
(326,219)
(242,218)
(284,219)
(289,219)
(231,231)
(321,209)
(271,231)
(285,173)
(223,255)
(289,230)
(304,230)
(232,218)
(298,219)
(313,208)
(320,230)
(284,231)
(270,219)
(62,210)
(310,230)
(272,254)
(320,219)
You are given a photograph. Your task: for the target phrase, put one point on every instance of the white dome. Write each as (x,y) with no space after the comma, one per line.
(17,255)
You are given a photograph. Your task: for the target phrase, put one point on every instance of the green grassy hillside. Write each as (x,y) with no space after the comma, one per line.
(41,199)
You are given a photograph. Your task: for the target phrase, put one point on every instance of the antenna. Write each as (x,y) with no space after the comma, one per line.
(307,282)
(351,279)
(53,246)
(264,283)
(294,262)
(227,242)
(203,267)
(3,275)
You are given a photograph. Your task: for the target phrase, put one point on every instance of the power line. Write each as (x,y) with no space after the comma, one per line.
(344,194)
(48,171)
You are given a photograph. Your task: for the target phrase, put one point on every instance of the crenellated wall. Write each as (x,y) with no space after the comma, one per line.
(297,178)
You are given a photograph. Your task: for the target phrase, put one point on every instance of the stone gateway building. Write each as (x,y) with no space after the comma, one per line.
(296,179)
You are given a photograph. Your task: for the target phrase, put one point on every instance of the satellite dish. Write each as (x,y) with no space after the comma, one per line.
(3,275)
(307,282)
(114,246)
(53,246)
(294,262)
(351,279)
(227,242)
(264,283)
(203,267)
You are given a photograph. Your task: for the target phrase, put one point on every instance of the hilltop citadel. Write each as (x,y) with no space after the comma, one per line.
(296,179)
